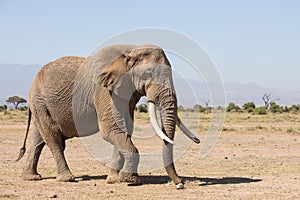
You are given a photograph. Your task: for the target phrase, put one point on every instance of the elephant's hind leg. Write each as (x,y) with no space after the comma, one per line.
(54,139)
(57,147)
(36,147)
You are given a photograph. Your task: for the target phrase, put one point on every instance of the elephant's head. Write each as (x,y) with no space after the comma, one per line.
(146,71)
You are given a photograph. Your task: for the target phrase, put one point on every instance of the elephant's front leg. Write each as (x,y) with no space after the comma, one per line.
(116,164)
(116,124)
(126,153)
(124,145)
(129,171)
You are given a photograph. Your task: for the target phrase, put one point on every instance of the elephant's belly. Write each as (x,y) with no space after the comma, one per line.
(79,130)
(77,122)
(85,125)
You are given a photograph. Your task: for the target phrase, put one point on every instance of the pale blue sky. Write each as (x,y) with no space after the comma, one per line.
(250,41)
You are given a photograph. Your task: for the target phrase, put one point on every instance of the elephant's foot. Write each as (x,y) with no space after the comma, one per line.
(65,177)
(113,177)
(130,177)
(30,176)
(179,186)
(178,183)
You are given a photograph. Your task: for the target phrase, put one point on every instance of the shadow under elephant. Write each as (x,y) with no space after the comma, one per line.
(159,179)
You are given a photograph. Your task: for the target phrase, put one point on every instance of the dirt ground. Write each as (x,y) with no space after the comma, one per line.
(256,157)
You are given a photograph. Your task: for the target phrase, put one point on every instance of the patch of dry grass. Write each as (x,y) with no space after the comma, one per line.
(256,157)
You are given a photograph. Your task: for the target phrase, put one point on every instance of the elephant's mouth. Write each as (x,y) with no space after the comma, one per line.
(179,123)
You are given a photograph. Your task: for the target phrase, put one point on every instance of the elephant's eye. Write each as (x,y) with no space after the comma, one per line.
(147,75)
(146,54)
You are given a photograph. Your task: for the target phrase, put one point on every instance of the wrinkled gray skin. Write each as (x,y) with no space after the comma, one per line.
(74,96)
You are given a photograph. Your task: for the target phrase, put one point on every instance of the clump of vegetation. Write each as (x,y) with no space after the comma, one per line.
(181,109)
(198,108)
(275,108)
(142,108)
(23,108)
(233,108)
(294,108)
(195,108)
(249,107)
(2,108)
(260,110)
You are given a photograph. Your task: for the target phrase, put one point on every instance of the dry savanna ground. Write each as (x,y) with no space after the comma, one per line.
(256,157)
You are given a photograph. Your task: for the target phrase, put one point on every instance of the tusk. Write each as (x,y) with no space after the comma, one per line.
(186,131)
(153,120)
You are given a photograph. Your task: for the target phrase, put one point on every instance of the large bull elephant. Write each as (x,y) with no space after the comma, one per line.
(77,96)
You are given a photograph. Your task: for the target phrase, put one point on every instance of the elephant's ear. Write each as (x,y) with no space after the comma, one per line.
(114,71)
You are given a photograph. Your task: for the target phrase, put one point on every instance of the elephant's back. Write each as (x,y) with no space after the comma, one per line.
(59,71)
(57,74)
(53,88)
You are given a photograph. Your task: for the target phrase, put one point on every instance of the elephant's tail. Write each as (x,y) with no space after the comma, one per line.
(23,148)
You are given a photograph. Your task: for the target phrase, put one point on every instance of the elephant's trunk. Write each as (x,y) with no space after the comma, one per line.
(168,112)
(153,120)
(167,103)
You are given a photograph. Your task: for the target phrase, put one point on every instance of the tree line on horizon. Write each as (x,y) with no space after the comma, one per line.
(249,107)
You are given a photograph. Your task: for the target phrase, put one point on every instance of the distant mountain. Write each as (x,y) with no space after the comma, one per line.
(241,93)
(238,93)
(16,80)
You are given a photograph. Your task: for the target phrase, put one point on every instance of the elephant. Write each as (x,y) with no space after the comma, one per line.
(78,96)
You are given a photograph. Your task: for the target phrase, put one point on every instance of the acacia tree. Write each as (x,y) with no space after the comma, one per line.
(15,101)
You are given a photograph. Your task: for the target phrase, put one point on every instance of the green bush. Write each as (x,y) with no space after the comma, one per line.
(232,107)
(142,108)
(260,110)
(23,108)
(275,108)
(294,108)
(181,109)
(248,105)
(208,110)
(286,109)
(197,108)
(250,110)
(2,108)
